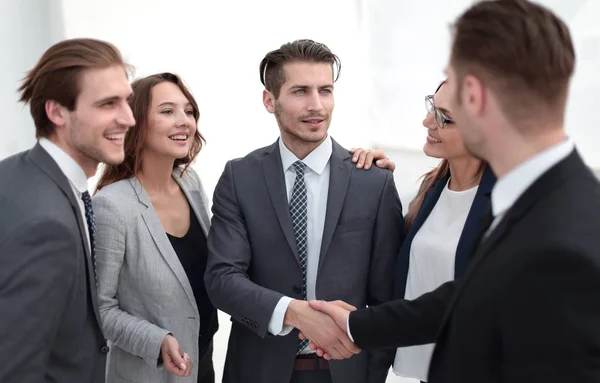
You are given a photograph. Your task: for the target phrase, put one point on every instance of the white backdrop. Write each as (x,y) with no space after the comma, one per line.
(393,53)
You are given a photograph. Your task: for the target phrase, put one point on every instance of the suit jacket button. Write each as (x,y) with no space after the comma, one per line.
(297,289)
(104,349)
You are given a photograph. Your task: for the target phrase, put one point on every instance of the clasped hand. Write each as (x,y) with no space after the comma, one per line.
(325,325)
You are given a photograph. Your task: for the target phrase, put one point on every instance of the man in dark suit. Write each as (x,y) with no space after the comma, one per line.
(527,308)
(298,220)
(49,321)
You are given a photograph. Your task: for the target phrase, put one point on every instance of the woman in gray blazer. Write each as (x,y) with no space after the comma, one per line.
(152,221)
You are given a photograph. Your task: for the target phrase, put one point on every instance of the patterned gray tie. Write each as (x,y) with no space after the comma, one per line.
(91,223)
(298,211)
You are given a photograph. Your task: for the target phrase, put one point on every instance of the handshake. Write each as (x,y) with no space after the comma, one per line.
(325,325)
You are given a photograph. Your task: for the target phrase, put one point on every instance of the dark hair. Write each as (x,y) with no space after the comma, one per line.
(57,73)
(135,138)
(272,75)
(521,50)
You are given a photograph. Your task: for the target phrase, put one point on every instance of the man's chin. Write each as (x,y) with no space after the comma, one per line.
(113,159)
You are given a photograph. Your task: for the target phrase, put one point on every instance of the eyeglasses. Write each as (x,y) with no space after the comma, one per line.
(440,119)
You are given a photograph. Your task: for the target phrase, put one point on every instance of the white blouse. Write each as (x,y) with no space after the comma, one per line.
(432,256)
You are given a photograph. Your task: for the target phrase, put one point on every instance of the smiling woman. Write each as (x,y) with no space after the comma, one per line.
(152,220)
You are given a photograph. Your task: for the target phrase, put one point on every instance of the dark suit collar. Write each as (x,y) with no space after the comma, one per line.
(340,170)
(564,171)
(510,186)
(468,234)
(69,167)
(486,184)
(49,166)
(275,182)
(339,179)
(479,208)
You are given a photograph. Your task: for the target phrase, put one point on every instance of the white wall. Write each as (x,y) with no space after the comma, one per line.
(27,29)
(216,46)
(393,53)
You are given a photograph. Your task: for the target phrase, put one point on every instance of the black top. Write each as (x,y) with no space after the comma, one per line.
(192,252)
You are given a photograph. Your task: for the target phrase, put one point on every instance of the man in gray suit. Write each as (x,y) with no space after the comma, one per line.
(49,321)
(295,221)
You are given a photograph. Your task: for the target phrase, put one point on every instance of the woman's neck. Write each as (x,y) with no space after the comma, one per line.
(465,173)
(156,175)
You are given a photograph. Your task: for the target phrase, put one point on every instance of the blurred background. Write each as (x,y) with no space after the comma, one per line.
(393,53)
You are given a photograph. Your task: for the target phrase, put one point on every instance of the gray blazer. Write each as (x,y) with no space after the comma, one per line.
(253,260)
(143,291)
(49,321)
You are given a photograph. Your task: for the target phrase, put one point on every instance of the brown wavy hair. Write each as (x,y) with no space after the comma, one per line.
(135,138)
(429,179)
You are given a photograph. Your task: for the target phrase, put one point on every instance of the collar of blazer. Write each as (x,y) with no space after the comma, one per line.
(156,230)
(340,171)
(191,188)
(46,163)
(564,171)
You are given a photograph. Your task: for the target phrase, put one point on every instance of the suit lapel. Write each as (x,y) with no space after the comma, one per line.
(162,241)
(469,237)
(571,166)
(340,170)
(45,162)
(194,197)
(275,181)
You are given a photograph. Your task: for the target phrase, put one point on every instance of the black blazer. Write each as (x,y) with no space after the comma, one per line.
(49,320)
(527,308)
(466,241)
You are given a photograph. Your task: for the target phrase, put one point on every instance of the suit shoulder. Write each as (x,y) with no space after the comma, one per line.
(120,194)
(252,157)
(374,174)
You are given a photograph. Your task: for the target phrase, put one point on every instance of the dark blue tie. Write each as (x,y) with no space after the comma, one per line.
(298,211)
(91,223)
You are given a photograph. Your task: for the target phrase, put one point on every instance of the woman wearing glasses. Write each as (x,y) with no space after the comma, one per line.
(441,222)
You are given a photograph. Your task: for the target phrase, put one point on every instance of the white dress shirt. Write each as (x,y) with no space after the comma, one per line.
(510,187)
(316,178)
(73,172)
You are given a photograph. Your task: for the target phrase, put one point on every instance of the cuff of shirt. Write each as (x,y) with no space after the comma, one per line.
(348,329)
(276,326)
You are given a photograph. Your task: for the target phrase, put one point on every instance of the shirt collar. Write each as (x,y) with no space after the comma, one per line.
(316,160)
(67,165)
(510,187)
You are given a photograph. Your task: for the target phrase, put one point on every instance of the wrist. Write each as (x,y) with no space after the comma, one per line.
(292,314)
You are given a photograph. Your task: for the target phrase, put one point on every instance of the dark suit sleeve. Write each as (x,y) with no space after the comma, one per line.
(554,303)
(402,323)
(37,270)
(229,257)
(387,239)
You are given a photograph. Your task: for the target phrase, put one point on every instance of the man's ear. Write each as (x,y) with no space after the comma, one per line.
(56,112)
(474,95)
(269,101)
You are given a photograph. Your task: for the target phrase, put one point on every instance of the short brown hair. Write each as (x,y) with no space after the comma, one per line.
(521,50)
(271,67)
(56,76)
(135,138)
